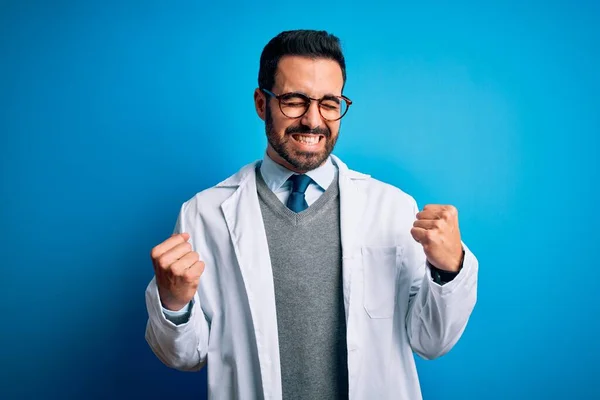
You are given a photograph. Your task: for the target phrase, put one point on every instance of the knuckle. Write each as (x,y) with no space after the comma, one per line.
(188,275)
(199,266)
(154,253)
(179,273)
(176,269)
(163,263)
(198,269)
(192,276)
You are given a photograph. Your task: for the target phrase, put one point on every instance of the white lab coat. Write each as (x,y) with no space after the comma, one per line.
(392,305)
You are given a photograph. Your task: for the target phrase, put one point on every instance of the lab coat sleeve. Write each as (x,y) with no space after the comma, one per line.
(184,345)
(438,314)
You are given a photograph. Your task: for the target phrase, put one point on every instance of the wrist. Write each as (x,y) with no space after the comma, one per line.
(169,303)
(452,267)
(458,265)
(174,306)
(442,276)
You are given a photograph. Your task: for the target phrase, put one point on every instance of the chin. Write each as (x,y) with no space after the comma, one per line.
(307,161)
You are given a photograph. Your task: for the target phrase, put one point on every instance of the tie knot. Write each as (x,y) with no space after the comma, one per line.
(300,183)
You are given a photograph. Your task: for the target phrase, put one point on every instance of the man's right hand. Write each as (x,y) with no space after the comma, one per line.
(178,270)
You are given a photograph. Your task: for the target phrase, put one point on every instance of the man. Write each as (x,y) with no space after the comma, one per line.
(298,277)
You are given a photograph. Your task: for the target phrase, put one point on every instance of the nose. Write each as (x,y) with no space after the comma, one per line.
(312,118)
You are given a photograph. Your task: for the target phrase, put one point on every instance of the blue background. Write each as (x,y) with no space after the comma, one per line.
(114,113)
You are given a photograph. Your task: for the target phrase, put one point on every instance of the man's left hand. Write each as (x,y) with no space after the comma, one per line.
(436,229)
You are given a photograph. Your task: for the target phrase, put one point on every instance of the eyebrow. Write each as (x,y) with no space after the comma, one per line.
(328,96)
(332,97)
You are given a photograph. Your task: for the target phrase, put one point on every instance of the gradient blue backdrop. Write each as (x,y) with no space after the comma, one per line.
(114,113)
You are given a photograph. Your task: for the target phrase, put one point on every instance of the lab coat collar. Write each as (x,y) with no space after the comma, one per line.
(248,171)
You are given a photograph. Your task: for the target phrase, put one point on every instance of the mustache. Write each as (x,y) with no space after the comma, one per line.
(303,129)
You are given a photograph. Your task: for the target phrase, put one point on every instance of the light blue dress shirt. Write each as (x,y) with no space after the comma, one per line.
(276,177)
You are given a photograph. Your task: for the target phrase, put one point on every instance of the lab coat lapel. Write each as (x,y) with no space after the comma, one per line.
(352,203)
(246,229)
(353,199)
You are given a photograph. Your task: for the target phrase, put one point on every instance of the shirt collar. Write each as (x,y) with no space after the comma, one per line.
(276,175)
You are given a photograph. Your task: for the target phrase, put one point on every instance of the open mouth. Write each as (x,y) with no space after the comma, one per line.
(308,140)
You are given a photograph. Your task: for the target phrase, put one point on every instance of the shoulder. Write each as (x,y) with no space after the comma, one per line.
(384,193)
(377,191)
(212,197)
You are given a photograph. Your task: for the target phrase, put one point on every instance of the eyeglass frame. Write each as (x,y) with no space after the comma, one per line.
(278,97)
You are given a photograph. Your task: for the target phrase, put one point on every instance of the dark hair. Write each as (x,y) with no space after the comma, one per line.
(307,43)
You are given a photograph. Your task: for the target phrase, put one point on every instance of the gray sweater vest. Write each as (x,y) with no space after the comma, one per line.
(306,259)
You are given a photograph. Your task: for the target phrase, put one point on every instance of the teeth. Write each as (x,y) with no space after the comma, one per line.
(308,139)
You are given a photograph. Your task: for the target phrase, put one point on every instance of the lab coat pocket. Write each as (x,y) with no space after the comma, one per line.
(380,271)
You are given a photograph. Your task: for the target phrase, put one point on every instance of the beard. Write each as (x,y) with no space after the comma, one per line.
(301,160)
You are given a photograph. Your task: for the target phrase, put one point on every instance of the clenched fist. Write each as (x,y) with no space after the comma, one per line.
(178,270)
(436,229)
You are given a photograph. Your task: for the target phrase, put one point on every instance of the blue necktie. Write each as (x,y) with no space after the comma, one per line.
(297,202)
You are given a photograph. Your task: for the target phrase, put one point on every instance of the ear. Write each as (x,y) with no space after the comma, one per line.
(260,103)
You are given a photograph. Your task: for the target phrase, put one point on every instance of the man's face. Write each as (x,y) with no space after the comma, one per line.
(304,143)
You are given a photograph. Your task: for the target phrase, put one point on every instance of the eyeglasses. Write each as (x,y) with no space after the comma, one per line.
(295,105)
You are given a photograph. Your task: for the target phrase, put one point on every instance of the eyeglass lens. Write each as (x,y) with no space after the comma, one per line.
(294,105)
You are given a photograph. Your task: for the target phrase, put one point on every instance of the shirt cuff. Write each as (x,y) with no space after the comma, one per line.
(179,317)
